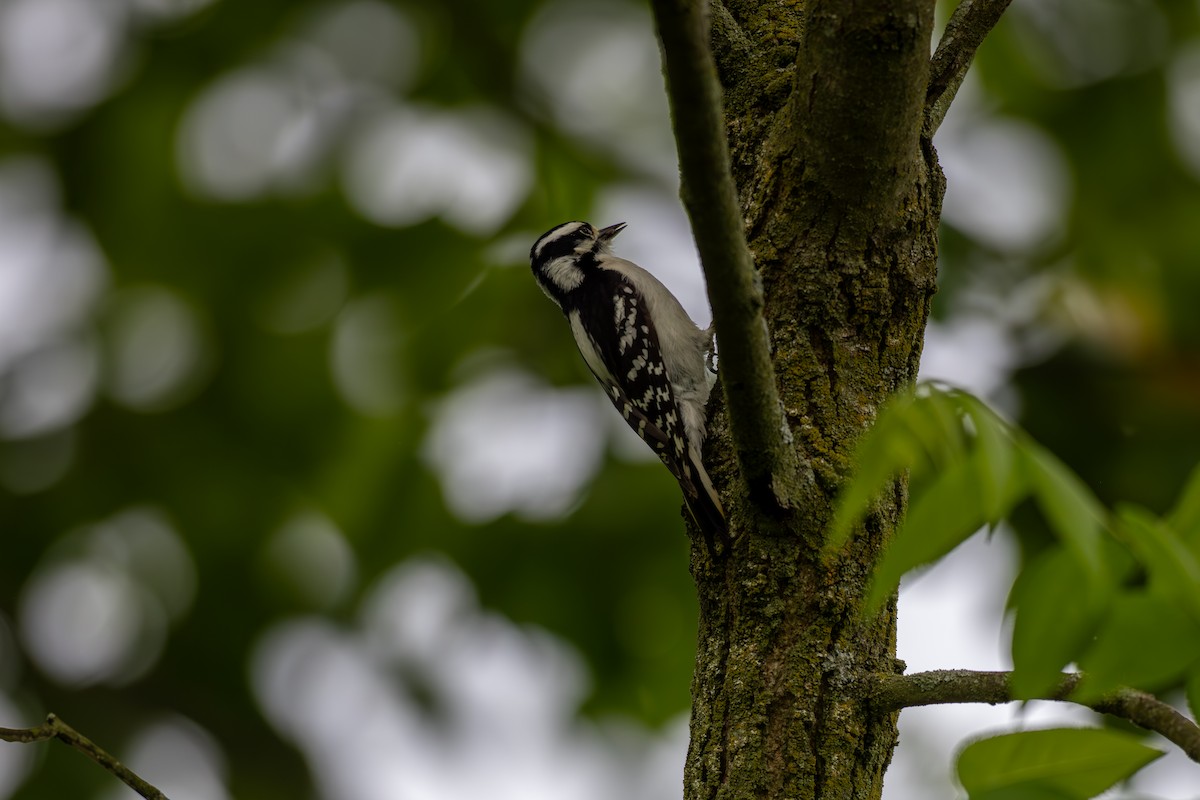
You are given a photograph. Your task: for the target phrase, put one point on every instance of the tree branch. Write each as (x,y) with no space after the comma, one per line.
(969,25)
(55,728)
(760,434)
(894,692)
(857,109)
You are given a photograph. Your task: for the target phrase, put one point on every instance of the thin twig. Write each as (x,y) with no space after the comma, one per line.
(894,692)
(969,25)
(760,436)
(55,728)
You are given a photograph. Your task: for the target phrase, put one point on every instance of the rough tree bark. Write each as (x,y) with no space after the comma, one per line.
(840,195)
(814,197)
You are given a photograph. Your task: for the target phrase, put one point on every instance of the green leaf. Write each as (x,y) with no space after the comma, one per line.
(1147,642)
(976,477)
(1001,483)
(936,420)
(1193,692)
(1185,518)
(942,515)
(888,448)
(939,519)
(1074,763)
(1073,512)
(1174,571)
(913,431)
(1057,610)
(1024,792)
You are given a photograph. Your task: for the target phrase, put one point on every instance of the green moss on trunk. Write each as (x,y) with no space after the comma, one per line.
(841,199)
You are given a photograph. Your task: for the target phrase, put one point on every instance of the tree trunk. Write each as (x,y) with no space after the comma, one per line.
(841,197)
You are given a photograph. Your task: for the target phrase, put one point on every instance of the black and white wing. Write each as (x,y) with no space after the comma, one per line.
(619,342)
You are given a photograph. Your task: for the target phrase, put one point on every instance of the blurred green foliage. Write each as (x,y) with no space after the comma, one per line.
(1116,593)
(1065,763)
(271,336)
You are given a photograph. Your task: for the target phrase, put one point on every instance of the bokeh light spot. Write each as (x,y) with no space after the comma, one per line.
(477,705)
(595,70)
(369,40)
(142,541)
(57,56)
(231,142)
(50,389)
(52,274)
(179,758)
(1183,105)
(506,442)
(1007,183)
(313,559)
(83,623)
(159,353)
(365,355)
(413,608)
(98,609)
(15,762)
(1075,43)
(470,167)
(167,10)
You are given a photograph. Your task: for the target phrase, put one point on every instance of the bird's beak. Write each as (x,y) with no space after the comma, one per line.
(606,234)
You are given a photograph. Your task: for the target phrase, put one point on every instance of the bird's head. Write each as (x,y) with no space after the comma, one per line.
(561,256)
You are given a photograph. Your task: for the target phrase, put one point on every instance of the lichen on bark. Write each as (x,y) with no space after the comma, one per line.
(841,197)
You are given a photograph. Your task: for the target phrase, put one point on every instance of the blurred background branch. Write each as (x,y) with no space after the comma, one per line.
(55,728)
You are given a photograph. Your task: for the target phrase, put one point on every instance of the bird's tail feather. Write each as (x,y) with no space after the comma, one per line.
(704,504)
